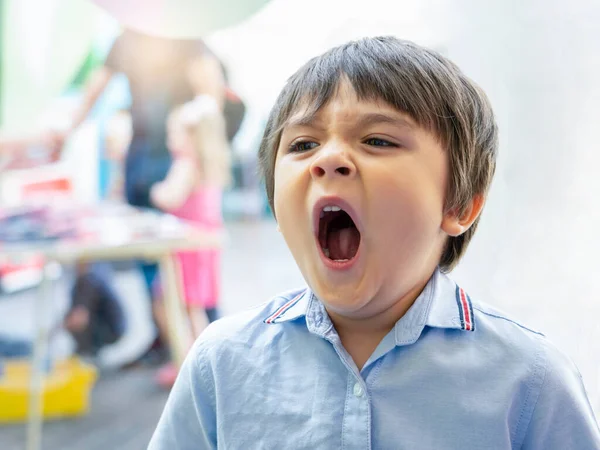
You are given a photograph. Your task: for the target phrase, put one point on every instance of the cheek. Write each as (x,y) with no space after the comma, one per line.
(289,184)
(279,191)
(290,203)
(285,195)
(408,206)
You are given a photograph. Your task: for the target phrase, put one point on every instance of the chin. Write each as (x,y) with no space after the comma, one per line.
(346,298)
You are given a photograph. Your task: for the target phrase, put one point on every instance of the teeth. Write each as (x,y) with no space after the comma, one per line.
(331,208)
(326,253)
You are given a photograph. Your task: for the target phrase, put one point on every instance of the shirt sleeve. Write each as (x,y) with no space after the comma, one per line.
(563,417)
(189,419)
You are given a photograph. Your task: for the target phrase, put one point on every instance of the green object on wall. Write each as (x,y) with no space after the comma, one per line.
(92,61)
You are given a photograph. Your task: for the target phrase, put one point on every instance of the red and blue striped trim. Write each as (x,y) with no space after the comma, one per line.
(465,310)
(281,311)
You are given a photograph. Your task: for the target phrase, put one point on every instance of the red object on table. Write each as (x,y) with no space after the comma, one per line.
(58,185)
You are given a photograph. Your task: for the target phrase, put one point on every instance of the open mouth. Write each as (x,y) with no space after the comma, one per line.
(339,237)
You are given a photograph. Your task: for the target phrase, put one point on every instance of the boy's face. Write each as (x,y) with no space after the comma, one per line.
(386,173)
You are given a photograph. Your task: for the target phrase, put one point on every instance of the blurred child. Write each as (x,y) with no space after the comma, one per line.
(192,191)
(96,317)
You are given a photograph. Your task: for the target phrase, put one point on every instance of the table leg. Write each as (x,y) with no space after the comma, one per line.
(173,308)
(37,373)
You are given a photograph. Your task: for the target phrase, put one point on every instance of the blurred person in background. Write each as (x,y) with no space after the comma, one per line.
(193,191)
(95,318)
(162,73)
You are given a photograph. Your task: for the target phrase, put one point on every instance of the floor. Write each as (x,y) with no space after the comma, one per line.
(125,409)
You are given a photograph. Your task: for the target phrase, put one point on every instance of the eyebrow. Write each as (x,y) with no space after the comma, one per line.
(305,120)
(312,120)
(366,120)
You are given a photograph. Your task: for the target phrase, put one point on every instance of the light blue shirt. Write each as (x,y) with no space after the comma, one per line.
(452,374)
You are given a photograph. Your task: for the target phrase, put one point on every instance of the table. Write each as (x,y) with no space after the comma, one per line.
(109,232)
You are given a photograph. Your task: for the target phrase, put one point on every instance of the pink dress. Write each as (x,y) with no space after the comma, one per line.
(200,270)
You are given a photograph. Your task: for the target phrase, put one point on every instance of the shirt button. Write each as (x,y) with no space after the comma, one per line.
(358,390)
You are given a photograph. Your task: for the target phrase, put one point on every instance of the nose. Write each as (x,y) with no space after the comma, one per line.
(332,162)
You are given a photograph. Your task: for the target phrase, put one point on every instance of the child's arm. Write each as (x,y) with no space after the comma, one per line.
(94,87)
(174,190)
(189,418)
(560,415)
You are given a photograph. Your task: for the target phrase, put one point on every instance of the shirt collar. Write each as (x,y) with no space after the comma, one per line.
(292,309)
(442,304)
(451,306)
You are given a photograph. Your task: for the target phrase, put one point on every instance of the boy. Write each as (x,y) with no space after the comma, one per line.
(377,158)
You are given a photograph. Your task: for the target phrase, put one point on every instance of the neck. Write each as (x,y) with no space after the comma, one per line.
(361,334)
(383,320)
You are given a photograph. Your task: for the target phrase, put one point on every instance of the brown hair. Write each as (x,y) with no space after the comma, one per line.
(414,80)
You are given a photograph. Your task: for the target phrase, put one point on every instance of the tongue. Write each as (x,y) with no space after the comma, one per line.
(343,244)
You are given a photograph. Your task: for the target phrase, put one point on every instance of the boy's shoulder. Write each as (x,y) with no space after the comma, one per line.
(555,390)
(501,331)
(250,325)
(452,306)
(496,333)
(487,314)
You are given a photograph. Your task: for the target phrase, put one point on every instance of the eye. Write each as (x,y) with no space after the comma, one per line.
(377,142)
(302,146)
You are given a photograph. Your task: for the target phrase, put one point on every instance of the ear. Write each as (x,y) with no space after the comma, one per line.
(455,225)
(278,229)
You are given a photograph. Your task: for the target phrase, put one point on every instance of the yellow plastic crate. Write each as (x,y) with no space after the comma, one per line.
(66,389)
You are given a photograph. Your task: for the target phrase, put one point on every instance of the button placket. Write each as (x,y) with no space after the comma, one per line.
(358,390)
(357,416)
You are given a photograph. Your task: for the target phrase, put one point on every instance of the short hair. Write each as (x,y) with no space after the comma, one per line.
(416,81)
